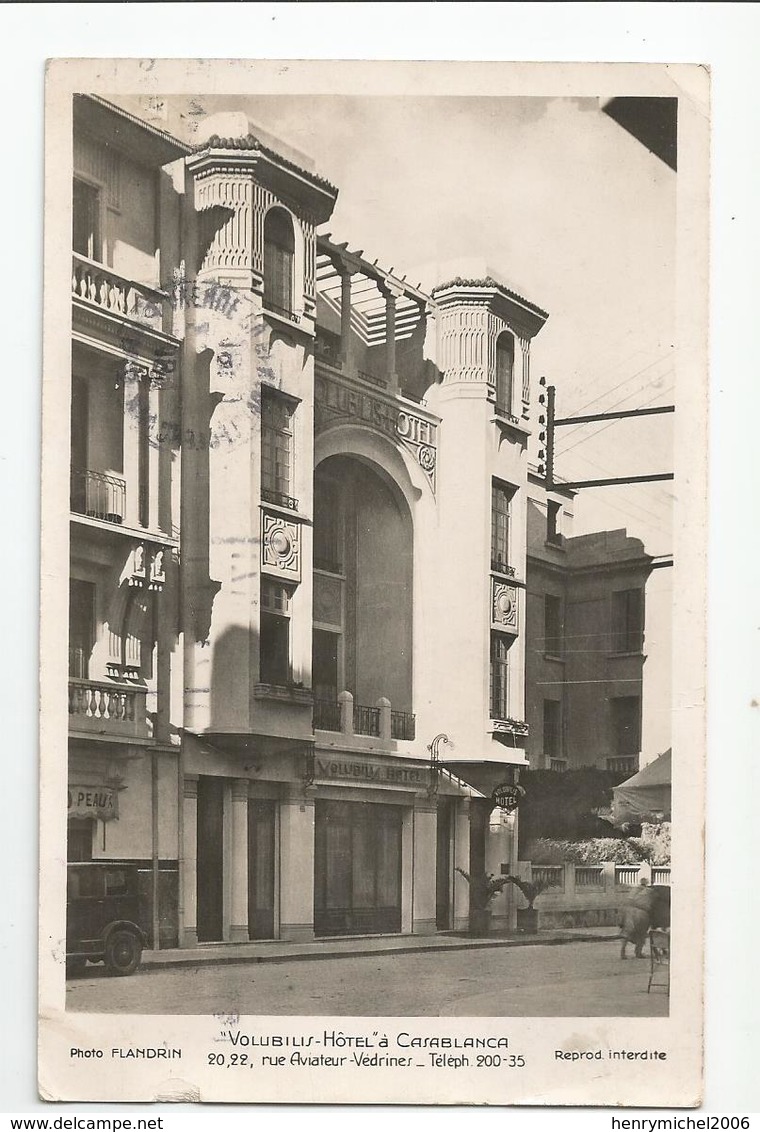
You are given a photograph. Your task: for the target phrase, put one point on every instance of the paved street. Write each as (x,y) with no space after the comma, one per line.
(582,979)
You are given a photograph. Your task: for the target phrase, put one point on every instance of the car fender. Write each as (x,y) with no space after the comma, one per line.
(129,925)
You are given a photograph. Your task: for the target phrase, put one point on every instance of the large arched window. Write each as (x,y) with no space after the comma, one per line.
(505,366)
(279,247)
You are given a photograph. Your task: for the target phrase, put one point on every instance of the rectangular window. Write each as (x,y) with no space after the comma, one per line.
(553,510)
(628,621)
(500,500)
(81,627)
(325,665)
(499,676)
(328,526)
(276,449)
(86,220)
(553,729)
(553,625)
(626,725)
(274,642)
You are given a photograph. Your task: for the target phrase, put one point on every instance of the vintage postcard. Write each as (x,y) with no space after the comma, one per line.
(373,600)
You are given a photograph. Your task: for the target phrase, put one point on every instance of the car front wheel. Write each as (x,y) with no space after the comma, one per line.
(123,952)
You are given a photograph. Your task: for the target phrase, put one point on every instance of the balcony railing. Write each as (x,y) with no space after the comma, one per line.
(623,764)
(326,715)
(107,709)
(379,722)
(99,495)
(280,498)
(403,725)
(283,312)
(94,283)
(500,567)
(366,720)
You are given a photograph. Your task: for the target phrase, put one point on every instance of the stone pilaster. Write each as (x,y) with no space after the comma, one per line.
(188,928)
(239,862)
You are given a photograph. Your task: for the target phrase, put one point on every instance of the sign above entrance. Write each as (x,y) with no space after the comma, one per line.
(507,797)
(100,802)
(333,399)
(364,770)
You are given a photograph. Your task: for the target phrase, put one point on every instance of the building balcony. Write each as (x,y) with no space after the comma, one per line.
(96,286)
(109,709)
(98,495)
(622,764)
(348,718)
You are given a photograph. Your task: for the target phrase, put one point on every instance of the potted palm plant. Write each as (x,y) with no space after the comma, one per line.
(483,888)
(527,918)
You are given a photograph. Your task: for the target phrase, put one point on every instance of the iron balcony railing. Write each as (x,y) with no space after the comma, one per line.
(499,566)
(326,715)
(279,498)
(366,720)
(283,312)
(99,495)
(403,725)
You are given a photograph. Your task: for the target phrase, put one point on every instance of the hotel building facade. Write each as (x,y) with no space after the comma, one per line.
(299,523)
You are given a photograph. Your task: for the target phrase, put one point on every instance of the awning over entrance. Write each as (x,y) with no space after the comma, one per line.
(645,796)
(484,777)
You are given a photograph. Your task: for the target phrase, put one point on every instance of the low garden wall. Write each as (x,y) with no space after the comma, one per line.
(584,896)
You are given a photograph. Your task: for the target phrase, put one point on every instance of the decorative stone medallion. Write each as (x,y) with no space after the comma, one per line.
(280,547)
(504,607)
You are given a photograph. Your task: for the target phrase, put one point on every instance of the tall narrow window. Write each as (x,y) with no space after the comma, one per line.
(86,208)
(325,665)
(279,248)
(552,625)
(505,366)
(628,621)
(626,725)
(274,643)
(81,627)
(499,676)
(552,729)
(328,549)
(500,499)
(276,449)
(553,533)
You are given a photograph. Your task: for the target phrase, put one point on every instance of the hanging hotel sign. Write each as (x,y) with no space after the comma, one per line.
(333,399)
(507,797)
(100,802)
(364,770)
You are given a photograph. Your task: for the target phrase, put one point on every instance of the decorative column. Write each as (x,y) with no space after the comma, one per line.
(462,861)
(297,866)
(425,842)
(134,374)
(153,485)
(391,295)
(188,929)
(346,351)
(239,862)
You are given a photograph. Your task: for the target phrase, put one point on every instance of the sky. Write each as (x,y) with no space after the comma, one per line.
(574,214)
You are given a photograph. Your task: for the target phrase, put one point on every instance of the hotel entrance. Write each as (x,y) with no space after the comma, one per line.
(357,868)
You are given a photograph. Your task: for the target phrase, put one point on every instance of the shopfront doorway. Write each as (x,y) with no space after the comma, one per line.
(357,868)
(261,877)
(210,858)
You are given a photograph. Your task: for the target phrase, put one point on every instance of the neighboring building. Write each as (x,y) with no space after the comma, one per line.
(299,505)
(585,633)
(124,503)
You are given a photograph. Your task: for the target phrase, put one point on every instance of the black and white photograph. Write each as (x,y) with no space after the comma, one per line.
(374,407)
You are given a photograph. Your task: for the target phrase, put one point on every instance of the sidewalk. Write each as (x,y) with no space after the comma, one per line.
(280,951)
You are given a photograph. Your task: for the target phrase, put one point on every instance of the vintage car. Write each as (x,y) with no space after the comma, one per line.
(102,917)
